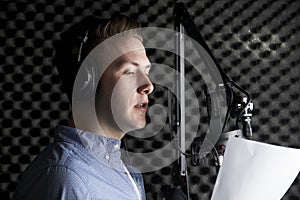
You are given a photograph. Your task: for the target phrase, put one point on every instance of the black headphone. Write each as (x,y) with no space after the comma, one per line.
(83,41)
(77,36)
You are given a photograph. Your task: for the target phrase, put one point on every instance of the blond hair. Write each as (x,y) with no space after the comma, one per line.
(117,25)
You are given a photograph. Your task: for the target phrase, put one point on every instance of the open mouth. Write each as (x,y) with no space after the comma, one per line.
(141,106)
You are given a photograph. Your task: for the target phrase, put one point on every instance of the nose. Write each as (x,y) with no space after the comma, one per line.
(146,87)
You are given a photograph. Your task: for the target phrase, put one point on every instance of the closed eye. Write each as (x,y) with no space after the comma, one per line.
(129,73)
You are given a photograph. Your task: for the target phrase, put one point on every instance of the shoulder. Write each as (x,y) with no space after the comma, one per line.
(63,154)
(54,182)
(62,173)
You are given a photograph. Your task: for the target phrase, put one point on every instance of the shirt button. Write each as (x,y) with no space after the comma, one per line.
(107,157)
(116,146)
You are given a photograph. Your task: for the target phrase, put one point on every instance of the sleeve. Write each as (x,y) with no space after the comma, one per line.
(57,182)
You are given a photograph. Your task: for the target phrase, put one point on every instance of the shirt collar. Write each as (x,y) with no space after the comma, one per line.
(106,150)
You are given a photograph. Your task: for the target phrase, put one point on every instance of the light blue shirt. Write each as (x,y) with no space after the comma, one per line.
(80,165)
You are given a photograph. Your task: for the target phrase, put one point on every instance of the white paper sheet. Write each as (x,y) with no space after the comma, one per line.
(256,171)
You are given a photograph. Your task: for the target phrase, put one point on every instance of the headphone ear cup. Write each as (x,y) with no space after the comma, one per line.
(85,84)
(70,53)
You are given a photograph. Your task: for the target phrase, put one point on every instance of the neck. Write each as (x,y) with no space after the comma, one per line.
(104,130)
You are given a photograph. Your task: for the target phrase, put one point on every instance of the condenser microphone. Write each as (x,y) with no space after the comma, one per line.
(246,119)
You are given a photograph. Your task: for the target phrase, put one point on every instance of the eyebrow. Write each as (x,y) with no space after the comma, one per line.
(124,62)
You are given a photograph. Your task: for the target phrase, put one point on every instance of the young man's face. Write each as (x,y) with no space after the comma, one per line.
(122,95)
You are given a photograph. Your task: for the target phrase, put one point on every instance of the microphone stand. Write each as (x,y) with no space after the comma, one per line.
(184,23)
(178,122)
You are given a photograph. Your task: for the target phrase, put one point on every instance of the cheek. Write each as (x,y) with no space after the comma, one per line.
(123,91)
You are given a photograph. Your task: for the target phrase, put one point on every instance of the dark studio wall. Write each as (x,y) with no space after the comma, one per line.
(255,41)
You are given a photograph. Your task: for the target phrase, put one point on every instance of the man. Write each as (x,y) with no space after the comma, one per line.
(84,160)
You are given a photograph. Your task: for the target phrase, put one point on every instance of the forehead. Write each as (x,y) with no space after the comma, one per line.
(117,48)
(134,58)
(112,50)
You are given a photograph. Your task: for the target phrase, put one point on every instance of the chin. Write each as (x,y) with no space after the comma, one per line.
(142,126)
(132,126)
(139,125)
